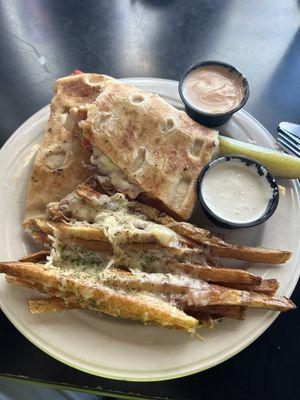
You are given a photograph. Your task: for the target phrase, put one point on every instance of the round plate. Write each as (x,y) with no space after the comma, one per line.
(121,349)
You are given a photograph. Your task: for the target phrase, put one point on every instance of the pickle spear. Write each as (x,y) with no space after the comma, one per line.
(279,164)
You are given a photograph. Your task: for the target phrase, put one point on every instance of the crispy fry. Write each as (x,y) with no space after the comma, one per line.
(13,280)
(199,236)
(216,295)
(209,294)
(266,286)
(183,294)
(51,304)
(200,313)
(213,274)
(251,254)
(222,249)
(96,233)
(233,297)
(69,301)
(95,296)
(233,312)
(202,290)
(35,257)
(54,304)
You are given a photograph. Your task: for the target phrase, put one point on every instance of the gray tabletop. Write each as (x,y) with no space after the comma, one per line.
(43,40)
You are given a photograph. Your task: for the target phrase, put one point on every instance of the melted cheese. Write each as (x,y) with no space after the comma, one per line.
(121,226)
(116,175)
(118,222)
(88,266)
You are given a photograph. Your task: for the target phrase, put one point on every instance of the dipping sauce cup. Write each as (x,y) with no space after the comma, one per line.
(237,192)
(213,91)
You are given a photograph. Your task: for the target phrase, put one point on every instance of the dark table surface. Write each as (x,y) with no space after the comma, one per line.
(43,40)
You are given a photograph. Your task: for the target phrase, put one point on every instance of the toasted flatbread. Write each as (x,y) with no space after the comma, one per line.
(157,148)
(61,162)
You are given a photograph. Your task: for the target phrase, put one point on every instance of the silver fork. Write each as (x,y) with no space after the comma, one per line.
(289,138)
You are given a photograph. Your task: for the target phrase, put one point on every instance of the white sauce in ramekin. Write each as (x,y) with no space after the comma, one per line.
(236,192)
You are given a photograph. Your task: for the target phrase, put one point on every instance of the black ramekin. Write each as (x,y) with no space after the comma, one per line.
(261,170)
(208,119)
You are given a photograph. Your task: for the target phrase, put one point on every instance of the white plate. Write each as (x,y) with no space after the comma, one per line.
(127,350)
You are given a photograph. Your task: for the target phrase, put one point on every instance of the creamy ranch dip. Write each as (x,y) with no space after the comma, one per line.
(236,192)
(213,89)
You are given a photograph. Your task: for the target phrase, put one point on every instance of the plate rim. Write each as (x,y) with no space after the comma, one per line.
(270,317)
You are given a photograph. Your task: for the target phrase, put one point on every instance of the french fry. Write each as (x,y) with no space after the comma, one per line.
(251,254)
(13,280)
(199,236)
(54,304)
(95,296)
(266,286)
(35,257)
(212,274)
(231,297)
(51,304)
(90,232)
(233,312)
(182,277)
(210,294)
(45,305)
(222,249)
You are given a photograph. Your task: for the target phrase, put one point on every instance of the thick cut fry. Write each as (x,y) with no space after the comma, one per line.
(138,306)
(251,254)
(233,312)
(51,304)
(80,232)
(35,257)
(54,304)
(267,286)
(233,297)
(13,280)
(203,294)
(222,249)
(200,313)
(69,301)
(199,236)
(210,274)
(90,232)
(211,295)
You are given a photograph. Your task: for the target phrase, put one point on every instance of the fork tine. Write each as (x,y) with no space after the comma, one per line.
(290,142)
(287,147)
(290,136)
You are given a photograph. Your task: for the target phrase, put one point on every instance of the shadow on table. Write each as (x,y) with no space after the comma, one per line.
(155,3)
(283,89)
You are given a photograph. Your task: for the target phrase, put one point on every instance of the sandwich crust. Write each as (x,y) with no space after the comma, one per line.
(159,148)
(61,162)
